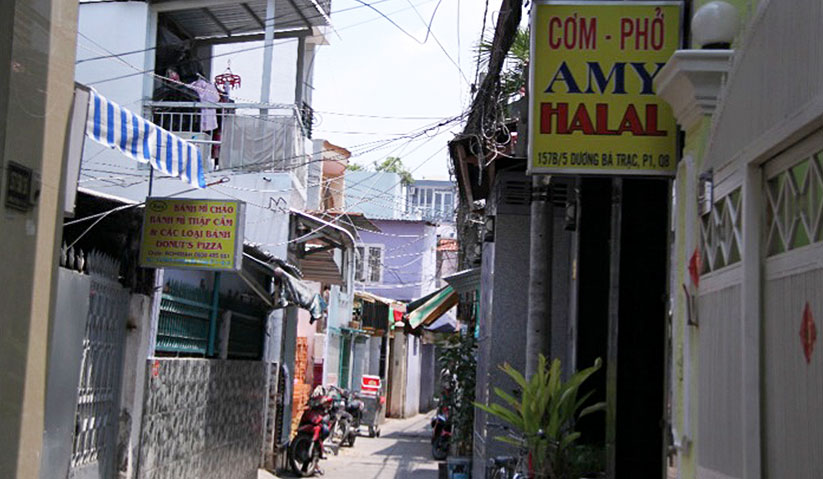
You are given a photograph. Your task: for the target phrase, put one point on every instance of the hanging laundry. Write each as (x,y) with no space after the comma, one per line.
(207,93)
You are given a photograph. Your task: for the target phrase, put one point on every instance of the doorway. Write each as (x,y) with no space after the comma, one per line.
(632,344)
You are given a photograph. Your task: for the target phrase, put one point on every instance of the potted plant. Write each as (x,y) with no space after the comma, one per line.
(458,364)
(544,417)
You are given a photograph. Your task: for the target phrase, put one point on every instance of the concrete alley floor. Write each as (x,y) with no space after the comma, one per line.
(403,451)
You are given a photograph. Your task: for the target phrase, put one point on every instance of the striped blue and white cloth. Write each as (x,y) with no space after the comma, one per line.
(116,127)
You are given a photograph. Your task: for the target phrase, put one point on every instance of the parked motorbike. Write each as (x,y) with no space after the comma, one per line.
(339,419)
(306,449)
(346,414)
(355,407)
(441,433)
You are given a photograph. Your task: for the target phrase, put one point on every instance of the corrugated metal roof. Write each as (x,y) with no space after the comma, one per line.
(217,19)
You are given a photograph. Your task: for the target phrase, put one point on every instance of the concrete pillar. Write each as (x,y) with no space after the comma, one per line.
(135,360)
(37,53)
(268,53)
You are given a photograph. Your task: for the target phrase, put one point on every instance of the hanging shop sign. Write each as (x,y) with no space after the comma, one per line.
(192,234)
(593,106)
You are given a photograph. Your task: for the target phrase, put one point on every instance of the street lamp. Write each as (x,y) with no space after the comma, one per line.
(714,25)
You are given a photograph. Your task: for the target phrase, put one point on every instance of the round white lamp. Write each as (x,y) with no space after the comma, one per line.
(714,25)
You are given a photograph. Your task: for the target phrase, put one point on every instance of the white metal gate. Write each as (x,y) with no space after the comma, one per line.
(792,309)
(95,434)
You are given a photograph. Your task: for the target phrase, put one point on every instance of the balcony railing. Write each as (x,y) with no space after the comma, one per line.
(239,136)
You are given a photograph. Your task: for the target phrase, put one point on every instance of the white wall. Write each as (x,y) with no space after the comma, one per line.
(414,353)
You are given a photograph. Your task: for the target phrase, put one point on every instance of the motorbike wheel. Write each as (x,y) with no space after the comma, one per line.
(303,457)
(340,431)
(352,437)
(440,448)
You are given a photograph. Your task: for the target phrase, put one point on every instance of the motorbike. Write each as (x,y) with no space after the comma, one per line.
(306,449)
(441,433)
(346,414)
(355,407)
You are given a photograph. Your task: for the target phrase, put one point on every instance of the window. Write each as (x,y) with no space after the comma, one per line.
(375,263)
(369,264)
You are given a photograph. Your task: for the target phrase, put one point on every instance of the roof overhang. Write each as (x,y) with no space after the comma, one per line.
(210,19)
(465,281)
(315,240)
(353,222)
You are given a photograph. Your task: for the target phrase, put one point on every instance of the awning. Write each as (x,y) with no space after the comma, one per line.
(437,305)
(141,140)
(445,324)
(290,289)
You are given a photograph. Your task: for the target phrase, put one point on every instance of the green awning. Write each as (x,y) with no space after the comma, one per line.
(441,301)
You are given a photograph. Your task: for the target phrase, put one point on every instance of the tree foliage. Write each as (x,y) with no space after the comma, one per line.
(393,164)
(514,76)
(458,362)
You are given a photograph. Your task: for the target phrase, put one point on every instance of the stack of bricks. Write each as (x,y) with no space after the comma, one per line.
(302,391)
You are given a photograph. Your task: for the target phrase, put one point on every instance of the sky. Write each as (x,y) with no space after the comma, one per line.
(372,68)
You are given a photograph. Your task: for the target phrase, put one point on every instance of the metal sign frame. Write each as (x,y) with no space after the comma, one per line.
(237,260)
(534,121)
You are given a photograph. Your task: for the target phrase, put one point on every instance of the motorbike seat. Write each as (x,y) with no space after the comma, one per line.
(504,461)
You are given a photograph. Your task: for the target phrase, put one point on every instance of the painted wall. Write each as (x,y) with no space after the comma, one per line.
(503,314)
(409,258)
(414,354)
(428,374)
(376,194)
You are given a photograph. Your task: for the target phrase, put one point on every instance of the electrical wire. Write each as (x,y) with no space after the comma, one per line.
(265,22)
(220,55)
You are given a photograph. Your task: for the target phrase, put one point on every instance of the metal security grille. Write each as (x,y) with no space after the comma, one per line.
(95,433)
(183,326)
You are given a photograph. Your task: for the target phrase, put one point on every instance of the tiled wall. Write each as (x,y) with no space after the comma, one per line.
(202,418)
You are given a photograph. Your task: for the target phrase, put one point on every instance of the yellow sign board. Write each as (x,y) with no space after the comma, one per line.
(192,234)
(593,106)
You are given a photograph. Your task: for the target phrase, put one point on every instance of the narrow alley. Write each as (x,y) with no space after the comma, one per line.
(402,451)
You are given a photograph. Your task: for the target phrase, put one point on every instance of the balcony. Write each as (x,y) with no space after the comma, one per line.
(239,136)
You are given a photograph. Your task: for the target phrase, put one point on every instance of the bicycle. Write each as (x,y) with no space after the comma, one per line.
(511,467)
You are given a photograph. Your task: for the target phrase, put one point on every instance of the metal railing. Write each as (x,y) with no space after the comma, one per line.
(239,136)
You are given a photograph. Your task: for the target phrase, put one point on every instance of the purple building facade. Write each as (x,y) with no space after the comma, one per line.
(400,262)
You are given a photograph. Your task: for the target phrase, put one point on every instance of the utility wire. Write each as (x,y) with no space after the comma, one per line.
(265,22)
(244,50)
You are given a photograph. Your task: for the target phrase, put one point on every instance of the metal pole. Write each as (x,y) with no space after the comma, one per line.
(268,47)
(538,326)
(215,303)
(614,304)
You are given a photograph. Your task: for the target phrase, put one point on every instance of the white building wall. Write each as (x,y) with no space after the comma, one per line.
(414,350)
